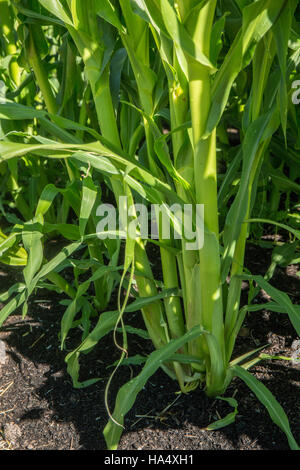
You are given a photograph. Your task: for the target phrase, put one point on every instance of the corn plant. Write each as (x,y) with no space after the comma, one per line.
(29,182)
(164,78)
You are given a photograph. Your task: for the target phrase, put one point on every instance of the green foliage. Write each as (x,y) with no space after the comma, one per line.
(139,98)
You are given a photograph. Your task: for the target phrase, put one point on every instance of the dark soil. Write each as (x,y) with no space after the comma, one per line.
(39,408)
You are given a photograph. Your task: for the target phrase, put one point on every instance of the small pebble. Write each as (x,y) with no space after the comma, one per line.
(296,345)
(12,432)
(2,353)
(296,352)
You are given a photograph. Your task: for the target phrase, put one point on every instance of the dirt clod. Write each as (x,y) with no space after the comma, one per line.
(12,433)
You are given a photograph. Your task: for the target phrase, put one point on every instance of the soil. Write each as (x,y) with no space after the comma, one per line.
(40,409)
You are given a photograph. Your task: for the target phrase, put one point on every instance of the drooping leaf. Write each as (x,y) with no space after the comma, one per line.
(128,392)
(275,410)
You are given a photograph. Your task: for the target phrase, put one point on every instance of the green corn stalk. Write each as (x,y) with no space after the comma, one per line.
(86,33)
(205,171)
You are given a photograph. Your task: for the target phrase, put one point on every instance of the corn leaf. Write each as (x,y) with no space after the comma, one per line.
(275,410)
(128,392)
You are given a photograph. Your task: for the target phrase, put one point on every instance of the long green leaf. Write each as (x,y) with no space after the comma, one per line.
(264,395)
(128,392)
